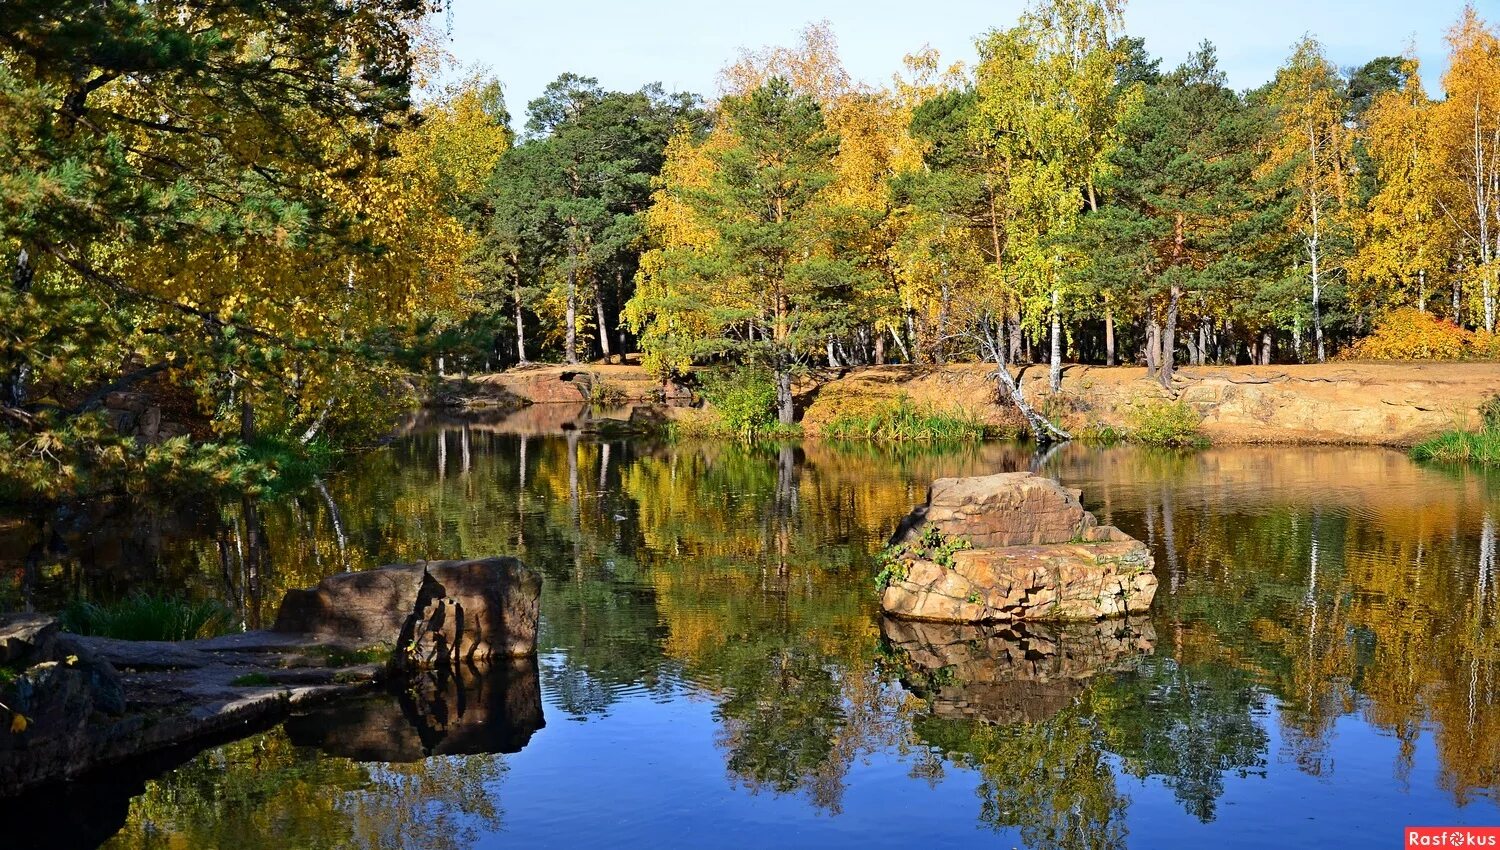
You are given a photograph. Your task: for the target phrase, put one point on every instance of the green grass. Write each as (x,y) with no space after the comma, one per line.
(1478,447)
(902,420)
(145,616)
(713,427)
(250,680)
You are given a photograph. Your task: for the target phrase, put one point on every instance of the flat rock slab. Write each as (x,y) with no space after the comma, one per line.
(93,701)
(1036,555)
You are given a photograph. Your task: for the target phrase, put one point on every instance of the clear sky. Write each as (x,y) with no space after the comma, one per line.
(683,44)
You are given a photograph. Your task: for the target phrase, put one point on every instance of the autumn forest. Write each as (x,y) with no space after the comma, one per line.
(281,211)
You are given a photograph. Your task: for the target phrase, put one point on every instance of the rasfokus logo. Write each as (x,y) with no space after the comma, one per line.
(1453,836)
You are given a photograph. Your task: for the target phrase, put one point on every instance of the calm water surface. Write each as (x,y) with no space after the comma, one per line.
(1319,667)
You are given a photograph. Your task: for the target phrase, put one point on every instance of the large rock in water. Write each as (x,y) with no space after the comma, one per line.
(434,612)
(1035,554)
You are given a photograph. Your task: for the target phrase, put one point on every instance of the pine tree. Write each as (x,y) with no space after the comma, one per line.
(765,288)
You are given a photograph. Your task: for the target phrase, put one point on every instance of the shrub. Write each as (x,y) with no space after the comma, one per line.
(902,420)
(745,400)
(1410,334)
(1165,423)
(1097,433)
(931,545)
(147,617)
(604,392)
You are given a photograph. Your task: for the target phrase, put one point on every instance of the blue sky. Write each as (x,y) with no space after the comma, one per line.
(683,45)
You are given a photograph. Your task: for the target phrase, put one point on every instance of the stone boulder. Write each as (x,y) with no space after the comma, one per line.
(1006,509)
(1033,553)
(59,687)
(432,612)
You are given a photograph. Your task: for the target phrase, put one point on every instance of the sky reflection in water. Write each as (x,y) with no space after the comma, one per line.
(1318,668)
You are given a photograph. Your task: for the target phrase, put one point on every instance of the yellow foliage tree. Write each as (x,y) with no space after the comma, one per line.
(1402,236)
(1467,130)
(1309,154)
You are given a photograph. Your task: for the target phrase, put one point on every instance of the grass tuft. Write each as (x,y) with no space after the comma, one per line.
(250,680)
(1480,447)
(147,617)
(1477,447)
(902,420)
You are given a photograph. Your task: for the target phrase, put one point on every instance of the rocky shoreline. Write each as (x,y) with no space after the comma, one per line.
(1343,403)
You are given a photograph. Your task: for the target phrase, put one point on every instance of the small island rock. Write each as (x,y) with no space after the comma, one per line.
(1016,546)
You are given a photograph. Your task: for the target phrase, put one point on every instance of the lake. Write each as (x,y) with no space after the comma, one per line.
(1319,667)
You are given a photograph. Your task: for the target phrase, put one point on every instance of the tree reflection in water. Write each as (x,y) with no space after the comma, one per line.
(1299,587)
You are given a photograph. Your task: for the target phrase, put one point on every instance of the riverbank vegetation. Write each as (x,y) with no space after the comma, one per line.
(227,224)
(902,420)
(146,616)
(1462,446)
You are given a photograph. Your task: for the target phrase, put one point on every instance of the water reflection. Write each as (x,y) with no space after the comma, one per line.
(419,766)
(1010,673)
(1303,590)
(464,710)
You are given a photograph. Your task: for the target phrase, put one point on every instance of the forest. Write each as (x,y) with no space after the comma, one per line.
(279,216)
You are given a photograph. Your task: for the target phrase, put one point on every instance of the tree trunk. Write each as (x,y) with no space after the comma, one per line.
(940,348)
(570,332)
(1109,336)
(603,327)
(1488,295)
(520,325)
(1153,348)
(1169,340)
(784,412)
(1314,254)
(247,419)
(1265,348)
(1043,431)
(257,560)
(1055,375)
(905,355)
(1015,335)
(13,391)
(879,347)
